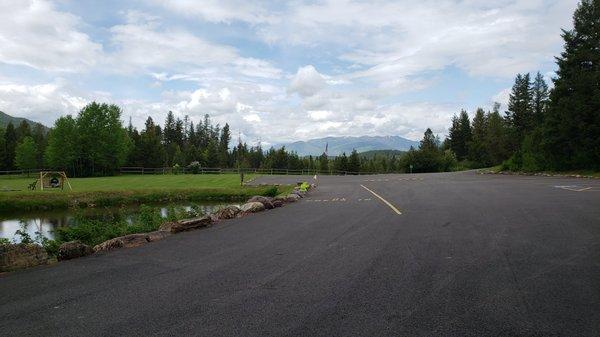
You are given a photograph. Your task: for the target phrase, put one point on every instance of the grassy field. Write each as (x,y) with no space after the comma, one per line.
(127,189)
(132,182)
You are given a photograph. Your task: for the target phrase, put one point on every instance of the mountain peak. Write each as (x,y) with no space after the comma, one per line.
(339,145)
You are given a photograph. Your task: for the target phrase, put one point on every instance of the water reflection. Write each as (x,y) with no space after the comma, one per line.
(46,222)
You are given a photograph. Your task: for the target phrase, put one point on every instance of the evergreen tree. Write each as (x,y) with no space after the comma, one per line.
(496,134)
(211,154)
(41,141)
(520,116)
(477,150)
(340,163)
(540,96)
(23,130)
(10,137)
(324,163)
(224,146)
(354,162)
(570,136)
(460,135)
(2,149)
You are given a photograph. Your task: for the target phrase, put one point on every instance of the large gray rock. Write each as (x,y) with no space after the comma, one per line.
(252,207)
(127,241)
(18,256)
(157,235)
(292,197)
(186,225)
(278,203)
(266,201)
(228,212)
(72,250)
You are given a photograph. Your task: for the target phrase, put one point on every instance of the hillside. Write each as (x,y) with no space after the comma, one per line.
(382,153)
(6,118)
(338,145)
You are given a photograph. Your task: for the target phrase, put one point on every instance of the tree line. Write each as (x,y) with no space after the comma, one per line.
(95,142)
(554,129)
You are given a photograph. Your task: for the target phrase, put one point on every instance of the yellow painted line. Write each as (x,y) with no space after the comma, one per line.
(382,199)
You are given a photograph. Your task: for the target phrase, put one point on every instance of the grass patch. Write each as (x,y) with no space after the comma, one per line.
(131,189)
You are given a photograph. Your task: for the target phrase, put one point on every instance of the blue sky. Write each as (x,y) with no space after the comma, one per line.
(276,71)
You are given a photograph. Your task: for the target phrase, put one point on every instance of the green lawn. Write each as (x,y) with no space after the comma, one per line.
(129,189)
(133,182)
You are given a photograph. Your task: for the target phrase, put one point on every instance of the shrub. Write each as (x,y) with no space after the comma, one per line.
(194,167)
(271,192)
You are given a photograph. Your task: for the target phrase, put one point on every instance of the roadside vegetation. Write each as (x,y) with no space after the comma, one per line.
(92,231)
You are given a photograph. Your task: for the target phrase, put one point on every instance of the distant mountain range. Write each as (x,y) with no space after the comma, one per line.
(338,145)
(6,118)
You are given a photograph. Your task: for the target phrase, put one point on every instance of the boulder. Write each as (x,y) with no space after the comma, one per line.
(267,201)
(278,203)
(157,235)
(186,225)
(252,207)
(18,256)
(299,193)
(72,250)
(292,197)
(228,212)
(127,241)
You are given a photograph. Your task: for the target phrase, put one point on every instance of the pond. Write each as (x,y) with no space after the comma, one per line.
(46,222)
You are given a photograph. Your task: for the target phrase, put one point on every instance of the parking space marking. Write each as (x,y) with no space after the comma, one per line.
(574,188)
(384,201)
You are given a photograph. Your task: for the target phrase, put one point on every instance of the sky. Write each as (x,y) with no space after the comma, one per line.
(276,71)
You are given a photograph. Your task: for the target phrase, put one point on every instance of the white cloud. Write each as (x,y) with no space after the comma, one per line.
(220,10)
(319,115)
(33,33)
(307,81)
(42,102)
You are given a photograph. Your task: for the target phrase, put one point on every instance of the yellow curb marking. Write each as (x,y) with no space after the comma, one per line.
(382,199)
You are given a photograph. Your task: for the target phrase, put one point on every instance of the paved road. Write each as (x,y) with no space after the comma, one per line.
(470,255)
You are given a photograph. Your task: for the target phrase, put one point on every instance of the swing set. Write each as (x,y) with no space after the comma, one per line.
(51,180)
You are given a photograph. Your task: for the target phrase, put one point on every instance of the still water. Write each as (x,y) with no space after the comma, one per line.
(46,222)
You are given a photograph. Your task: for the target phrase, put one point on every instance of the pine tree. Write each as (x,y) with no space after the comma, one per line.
(2,149)
(10,137)
(496,134)
(572,125)
(323,163)
(224,140)
(41,141)
(477,151)
(540,95)
(354,162)
(23,130)
(520,116)
(460,135)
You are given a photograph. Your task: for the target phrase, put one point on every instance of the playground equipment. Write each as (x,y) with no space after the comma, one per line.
(51,179)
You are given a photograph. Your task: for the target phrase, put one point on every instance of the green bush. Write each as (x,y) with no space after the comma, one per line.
(271,192)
